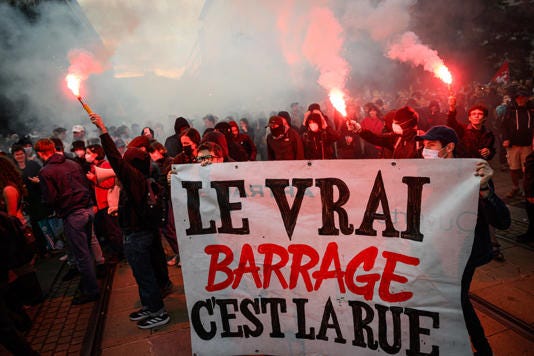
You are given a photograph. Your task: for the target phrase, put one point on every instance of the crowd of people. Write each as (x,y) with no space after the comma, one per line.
(89,200)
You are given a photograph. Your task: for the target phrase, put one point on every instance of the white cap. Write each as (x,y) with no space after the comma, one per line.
(78,128)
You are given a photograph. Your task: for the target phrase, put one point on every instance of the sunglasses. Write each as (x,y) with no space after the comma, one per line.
(206,158)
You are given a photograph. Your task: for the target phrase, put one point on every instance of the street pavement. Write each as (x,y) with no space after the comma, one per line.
(62,329)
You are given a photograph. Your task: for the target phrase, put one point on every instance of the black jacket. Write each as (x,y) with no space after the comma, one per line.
(471,139)
(491,211)
(403,146)
(64,185)
(518,125)
(132,198)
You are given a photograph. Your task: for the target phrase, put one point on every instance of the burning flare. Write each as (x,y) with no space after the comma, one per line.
(338,101)
(443,73)
(73,83)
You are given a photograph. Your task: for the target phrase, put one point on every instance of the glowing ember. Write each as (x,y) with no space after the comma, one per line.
(338,101)
(73,83)
(442,72)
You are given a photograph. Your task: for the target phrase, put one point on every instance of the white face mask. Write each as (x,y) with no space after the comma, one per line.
(314,127)
(397,129)
(431,154)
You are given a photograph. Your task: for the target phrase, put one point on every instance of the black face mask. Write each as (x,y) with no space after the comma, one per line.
(188,150)
(277,131)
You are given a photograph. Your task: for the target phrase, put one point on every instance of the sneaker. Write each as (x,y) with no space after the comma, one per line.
(71,273)
(59,245)
(140,314)
(64,258)
(172,261)
(154,320)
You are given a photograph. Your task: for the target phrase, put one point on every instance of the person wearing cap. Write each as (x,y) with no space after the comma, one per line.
(440,142)
(401,141)
(78,133)
(141,239)
(518,132)
(283,142)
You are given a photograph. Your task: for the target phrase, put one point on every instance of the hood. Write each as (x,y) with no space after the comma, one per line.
(180,123)
(56,158)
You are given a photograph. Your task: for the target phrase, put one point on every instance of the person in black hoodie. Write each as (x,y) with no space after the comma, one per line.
(517,134)
(172,143)
(141,237)
(402,140)
(318,137)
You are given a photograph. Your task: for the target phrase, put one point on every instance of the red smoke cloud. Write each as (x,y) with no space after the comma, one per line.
(322,47)
(409,49)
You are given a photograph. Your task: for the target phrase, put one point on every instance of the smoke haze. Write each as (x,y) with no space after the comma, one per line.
(160,59)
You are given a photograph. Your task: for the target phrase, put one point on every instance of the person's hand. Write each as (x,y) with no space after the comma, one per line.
(172,171)
(485,172)
(98,122)
(485,152)
(34,179)
(506,143)
(353,126)
(452,103)
(91,176)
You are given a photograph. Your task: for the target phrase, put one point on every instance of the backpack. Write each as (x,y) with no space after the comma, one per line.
(155,210)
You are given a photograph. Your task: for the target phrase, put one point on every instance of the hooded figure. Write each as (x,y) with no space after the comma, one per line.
(318,138)
(235,150)
(172,143)
(402,140)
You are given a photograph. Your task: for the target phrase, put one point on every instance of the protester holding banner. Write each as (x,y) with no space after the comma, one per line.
(440,142)
(141,238)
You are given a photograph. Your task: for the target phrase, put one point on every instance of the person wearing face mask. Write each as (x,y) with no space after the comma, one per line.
(283,142)
(401,141)
(106,226)
(78,155)
(440,142)
(189,140)
(318,138)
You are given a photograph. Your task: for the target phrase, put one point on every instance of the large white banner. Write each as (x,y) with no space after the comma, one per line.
(335,257)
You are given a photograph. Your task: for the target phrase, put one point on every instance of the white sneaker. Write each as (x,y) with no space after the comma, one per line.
(64,258)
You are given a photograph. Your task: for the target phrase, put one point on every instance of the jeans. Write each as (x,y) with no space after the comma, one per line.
(139,250)
(77,228)
(474,328)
